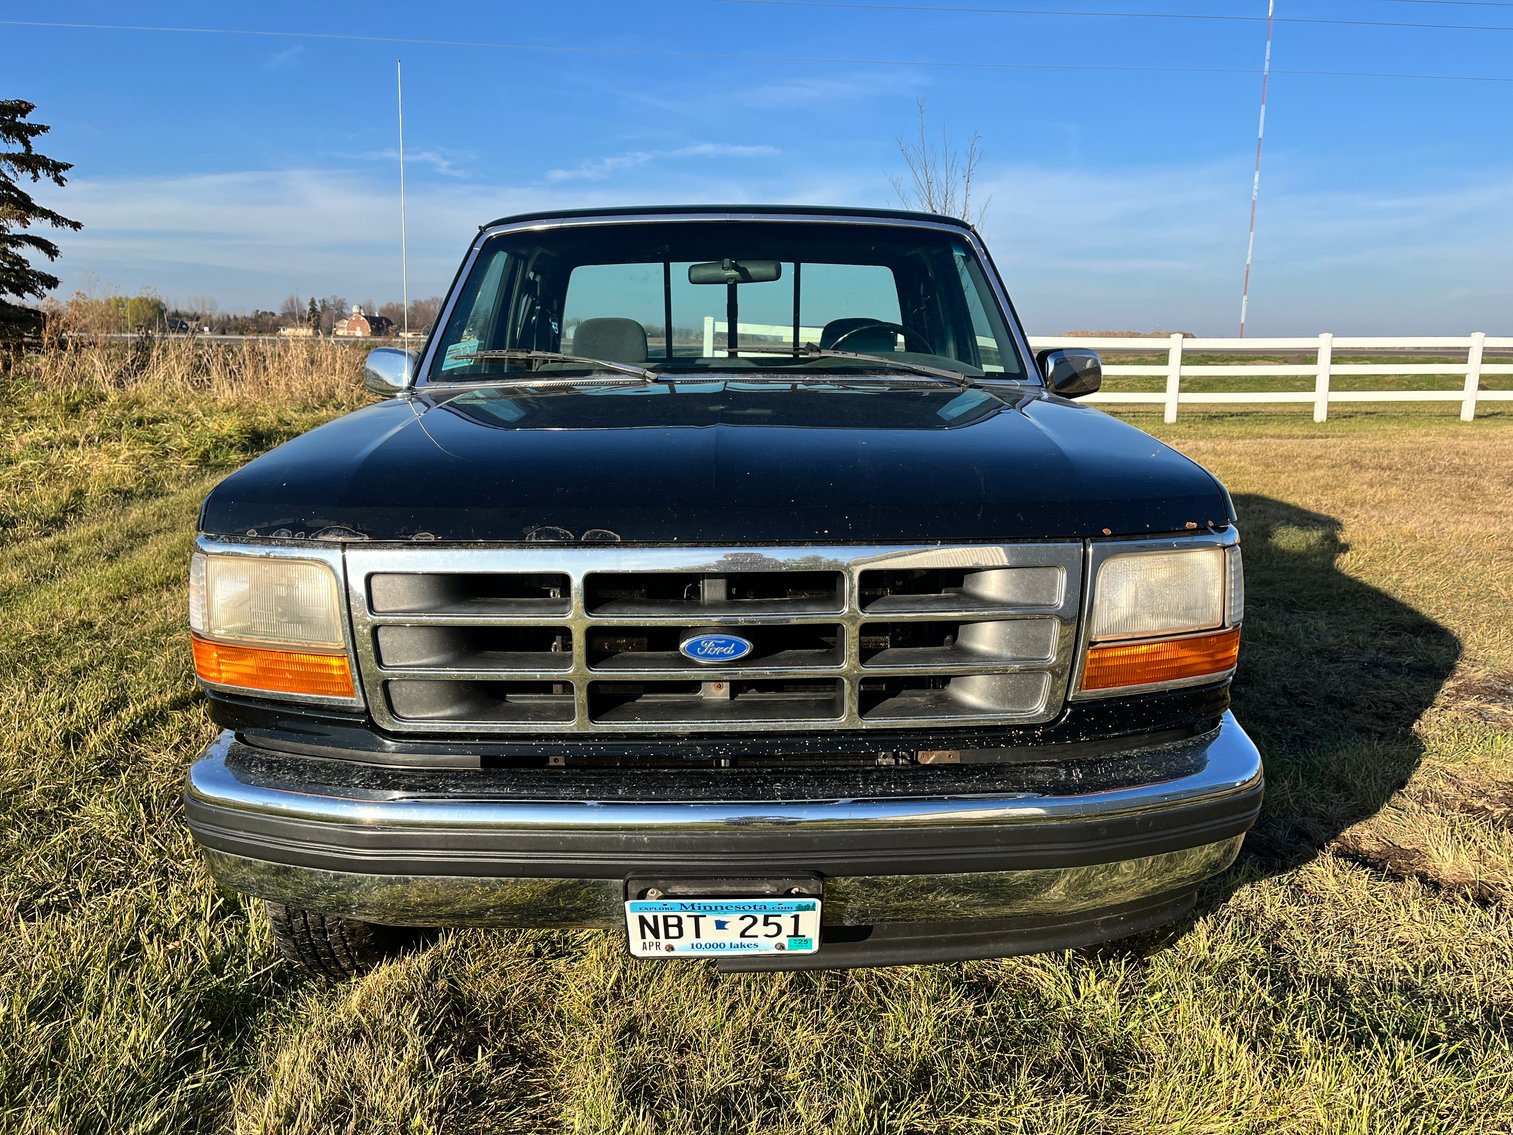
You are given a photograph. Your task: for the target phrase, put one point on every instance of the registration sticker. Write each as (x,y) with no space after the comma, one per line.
(459,354)
(660,928)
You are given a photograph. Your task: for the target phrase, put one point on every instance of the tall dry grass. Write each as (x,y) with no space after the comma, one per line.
(304,370)
(92,422)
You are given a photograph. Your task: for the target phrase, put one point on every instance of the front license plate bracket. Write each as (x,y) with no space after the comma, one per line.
(723,917)
(787,886)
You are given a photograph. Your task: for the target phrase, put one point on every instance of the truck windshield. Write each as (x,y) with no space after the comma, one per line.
(726,296)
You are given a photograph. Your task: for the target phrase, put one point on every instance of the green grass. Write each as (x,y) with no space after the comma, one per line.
(1353,973)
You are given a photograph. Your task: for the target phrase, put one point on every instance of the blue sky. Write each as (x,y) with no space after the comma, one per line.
(1119,149)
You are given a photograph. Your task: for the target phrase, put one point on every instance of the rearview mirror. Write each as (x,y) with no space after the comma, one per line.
(389,371)
(1072,372)
(735,272)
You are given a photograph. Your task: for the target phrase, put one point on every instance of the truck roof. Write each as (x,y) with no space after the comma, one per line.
(725,210)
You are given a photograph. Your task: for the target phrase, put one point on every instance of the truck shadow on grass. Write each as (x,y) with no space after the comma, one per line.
(1333,676)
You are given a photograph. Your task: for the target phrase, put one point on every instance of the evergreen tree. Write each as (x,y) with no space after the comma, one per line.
(19,212)
(312,317)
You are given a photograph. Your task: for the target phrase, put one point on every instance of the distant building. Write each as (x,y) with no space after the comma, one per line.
(360,325)
(298,332)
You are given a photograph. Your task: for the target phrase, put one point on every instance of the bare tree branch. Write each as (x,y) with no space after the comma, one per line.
(940,173)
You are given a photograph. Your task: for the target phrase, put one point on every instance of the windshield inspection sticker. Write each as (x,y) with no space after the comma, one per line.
(457,354)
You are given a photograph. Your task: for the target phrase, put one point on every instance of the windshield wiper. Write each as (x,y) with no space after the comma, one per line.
(521,354)
(812,351)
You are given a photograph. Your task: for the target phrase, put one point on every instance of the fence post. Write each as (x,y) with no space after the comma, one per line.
(1473,376)
(1173,375)
(1321,381)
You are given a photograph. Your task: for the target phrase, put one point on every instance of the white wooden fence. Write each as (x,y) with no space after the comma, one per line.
(715,329)
(1322,369)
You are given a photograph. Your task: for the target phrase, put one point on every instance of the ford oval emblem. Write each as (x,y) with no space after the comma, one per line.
(711,648)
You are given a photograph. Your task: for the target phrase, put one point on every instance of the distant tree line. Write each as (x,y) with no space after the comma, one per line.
(88,314)
(320,315)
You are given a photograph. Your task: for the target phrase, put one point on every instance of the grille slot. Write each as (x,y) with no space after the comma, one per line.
(470,593)
(430,647)
(585,638)
(957,645)
(728,703)
(971,696)
(714,595)
(518,703)
(932,591)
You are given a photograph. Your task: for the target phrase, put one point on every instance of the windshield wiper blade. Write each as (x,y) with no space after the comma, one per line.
(814,352)
(521,354)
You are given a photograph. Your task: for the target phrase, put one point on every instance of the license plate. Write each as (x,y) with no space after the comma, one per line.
(661,928)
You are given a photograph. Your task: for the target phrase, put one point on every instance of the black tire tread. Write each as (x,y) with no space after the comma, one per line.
(330,946)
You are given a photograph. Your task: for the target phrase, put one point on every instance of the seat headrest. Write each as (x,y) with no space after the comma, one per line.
(618,340)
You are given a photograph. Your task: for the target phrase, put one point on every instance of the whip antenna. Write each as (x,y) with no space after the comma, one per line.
(404,252)
(1255,185)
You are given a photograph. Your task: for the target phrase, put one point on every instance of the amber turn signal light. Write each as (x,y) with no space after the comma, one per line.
(276,671)
(1117,664)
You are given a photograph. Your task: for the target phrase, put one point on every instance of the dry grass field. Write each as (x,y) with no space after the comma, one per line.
(1353,973)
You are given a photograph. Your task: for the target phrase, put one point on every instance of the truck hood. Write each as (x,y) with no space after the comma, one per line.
(719,462)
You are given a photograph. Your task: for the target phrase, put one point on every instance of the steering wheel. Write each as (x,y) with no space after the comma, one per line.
(921,344)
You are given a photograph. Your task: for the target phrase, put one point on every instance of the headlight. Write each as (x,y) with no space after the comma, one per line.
(1140,594)
(1163,617)
(270,624)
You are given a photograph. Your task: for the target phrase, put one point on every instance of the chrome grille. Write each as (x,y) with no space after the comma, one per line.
(586,639)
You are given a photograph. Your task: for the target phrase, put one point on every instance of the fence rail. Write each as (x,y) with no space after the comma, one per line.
(1323,369)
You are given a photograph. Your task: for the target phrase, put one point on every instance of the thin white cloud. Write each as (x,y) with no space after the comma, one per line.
(801,93)
(723,150)
(441,161)
(1139,248)
(251,237)
(284,60)
(598,169)
(1165,247)
(703,107)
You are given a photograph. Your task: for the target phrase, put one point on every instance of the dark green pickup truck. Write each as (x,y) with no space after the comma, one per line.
(735,579)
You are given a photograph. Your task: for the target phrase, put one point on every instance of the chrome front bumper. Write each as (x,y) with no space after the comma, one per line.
(413,848)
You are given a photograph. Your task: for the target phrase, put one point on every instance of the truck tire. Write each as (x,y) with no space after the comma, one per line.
(332,947)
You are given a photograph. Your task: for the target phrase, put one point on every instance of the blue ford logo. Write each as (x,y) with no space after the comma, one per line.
(714,648)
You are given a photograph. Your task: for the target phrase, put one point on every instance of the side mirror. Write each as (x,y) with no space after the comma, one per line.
(1072,372)
(389,371)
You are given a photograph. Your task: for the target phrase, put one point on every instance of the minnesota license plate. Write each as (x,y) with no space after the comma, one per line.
(661,928)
